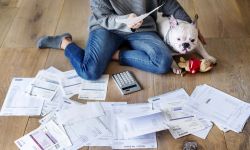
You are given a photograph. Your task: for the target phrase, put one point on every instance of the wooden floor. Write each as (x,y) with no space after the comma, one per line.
(224,23)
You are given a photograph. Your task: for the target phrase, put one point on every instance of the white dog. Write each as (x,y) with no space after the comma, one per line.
(182,37)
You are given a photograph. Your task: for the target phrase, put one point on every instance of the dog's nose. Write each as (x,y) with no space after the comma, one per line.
(185,45)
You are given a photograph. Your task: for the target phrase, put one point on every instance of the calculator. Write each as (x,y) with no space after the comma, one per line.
(126,82)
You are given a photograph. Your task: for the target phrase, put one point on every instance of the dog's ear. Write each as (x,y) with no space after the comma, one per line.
(195,20)
(173,22)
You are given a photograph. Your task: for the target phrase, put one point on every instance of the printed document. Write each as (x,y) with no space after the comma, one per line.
(52,105)
(18,103)
(70,83)
(134,125)
(44,85)
(219,107)
(119,141)
(172,104)
(79,112)
(107,120)
(84,132)
(47,137)
(94,90)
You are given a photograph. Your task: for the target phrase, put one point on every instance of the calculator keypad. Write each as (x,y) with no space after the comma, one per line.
(126,82)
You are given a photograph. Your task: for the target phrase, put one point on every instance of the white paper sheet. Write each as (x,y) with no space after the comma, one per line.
(17,103)
(52,105)
(94,90)
(47,137)
(172,104)
(142,123)
(44,85)
(119,142)
(65,104)
(70,83)
(107,139)
(135,20)
(79,112)
(54,70)
(84,132)
(182,127)
(208,102)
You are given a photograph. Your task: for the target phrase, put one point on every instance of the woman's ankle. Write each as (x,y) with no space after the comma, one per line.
(116,55)
(65,42)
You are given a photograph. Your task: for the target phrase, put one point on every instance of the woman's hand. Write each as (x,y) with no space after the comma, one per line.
(136,25)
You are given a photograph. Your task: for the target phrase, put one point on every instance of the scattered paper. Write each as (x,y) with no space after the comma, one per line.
(79,112)
(119,141)
(17,103)
(94,90)
(69,125)
(172,104)
(85,131)
(70,83)
(49,136)
(219,107)
(134,125)
(44,85)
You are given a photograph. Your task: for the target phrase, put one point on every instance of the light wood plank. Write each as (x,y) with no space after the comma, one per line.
(220,19)
(6,17)
(16,63)
(35,18)
(188,6)
(10,3)
(244,7)
(74,19)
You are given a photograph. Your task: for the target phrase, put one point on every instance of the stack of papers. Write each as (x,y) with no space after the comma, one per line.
(45,92)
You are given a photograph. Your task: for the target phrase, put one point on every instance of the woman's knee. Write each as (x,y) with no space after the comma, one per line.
(92,74)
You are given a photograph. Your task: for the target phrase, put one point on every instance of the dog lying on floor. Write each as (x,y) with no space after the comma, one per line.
(182,37)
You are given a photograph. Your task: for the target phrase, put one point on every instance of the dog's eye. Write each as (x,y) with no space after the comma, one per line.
(178,39)
(192,40)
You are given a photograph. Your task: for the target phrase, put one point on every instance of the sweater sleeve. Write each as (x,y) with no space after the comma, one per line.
(106,17)
(172,7)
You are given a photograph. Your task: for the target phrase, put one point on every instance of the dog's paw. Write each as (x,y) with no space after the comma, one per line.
(211,59)
(176,70)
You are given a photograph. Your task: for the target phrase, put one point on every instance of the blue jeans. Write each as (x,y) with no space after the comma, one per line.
(148,52)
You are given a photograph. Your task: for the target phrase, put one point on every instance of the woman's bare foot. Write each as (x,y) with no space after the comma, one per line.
(65,42)
(116,55)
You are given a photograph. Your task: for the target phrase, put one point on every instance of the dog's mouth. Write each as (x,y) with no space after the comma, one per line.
(184,51)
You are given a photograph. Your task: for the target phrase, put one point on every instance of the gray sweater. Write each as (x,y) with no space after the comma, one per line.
(106,12)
